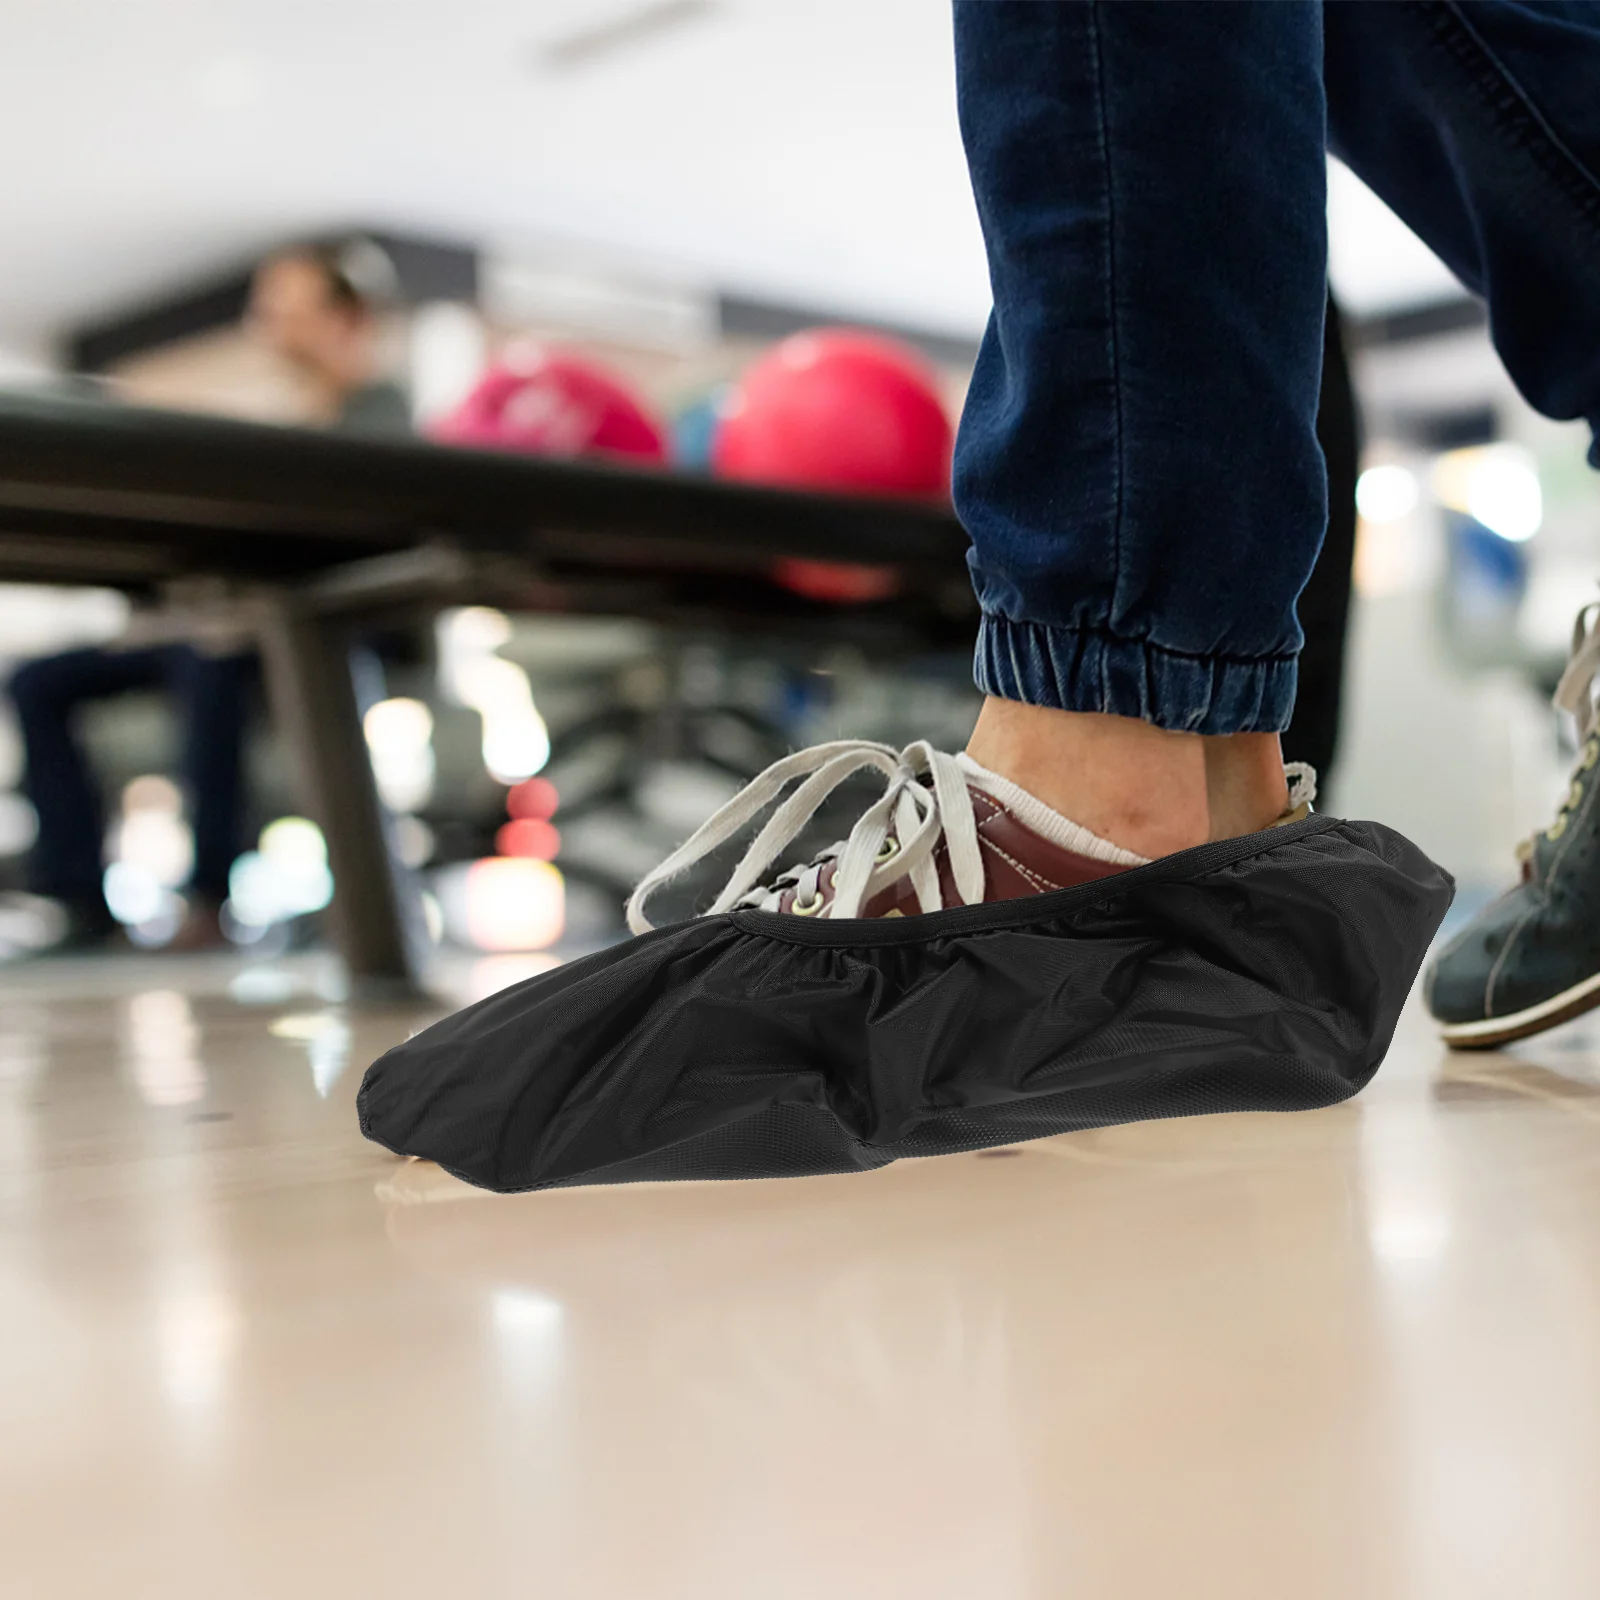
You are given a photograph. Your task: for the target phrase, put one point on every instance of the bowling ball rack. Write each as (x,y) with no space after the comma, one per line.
(315,537)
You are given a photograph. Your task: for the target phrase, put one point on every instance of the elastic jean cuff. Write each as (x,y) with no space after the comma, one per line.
(1073,670)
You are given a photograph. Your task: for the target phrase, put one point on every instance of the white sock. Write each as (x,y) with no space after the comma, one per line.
(1041,819)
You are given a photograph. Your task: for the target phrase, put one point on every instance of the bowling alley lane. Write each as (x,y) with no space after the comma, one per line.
(1348,1354)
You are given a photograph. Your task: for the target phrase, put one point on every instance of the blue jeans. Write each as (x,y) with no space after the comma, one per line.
(209,693)
(1137,464)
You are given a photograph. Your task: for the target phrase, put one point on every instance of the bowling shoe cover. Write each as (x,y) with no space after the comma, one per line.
(1264,973)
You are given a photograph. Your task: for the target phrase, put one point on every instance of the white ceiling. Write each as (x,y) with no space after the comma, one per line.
(804,149)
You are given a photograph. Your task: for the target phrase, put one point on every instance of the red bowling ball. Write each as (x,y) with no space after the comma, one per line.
(838,409)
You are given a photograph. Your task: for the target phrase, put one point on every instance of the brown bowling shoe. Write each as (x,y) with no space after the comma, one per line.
(946,832)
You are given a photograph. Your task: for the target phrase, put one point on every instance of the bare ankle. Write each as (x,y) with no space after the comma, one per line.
(1141,787)
(1246,788)
(1145,788)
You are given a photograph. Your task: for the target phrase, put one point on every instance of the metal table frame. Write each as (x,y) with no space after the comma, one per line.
(317,534)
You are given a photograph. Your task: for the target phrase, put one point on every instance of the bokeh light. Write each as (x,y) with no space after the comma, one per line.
(534,797)
(400,740)
(150,854)
(1386,493)
(1496,484)
(516,742)
(285,876)
(530,837)
(512,903)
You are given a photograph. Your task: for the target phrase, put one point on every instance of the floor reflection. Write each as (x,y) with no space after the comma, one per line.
(161,1048)
(1344,1354)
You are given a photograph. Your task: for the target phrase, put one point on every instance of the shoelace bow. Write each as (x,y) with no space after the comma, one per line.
(1301,778)
(925,799)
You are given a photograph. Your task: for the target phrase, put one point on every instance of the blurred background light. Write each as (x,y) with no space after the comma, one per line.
(400,740)
(152,836)
(502,903)
(133,895)
(1386,492)
(516,743)
(285,876)
(1497,484)
(149,855)
(534,797)
(528,836)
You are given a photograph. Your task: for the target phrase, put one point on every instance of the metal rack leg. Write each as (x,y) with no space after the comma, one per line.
(314,706)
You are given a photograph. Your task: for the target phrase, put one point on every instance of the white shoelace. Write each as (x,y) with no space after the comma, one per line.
(1575,692)
(1301,778)
(893,839)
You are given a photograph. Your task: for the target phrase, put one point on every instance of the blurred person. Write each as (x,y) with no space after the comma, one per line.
(307,305)
(195,647)
(1138,465)
(208,687)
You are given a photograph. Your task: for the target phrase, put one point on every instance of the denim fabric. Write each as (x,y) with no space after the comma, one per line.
(1137,465)
(209,693)
(1480,125)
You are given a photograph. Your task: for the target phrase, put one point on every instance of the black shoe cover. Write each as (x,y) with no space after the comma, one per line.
(1256,974)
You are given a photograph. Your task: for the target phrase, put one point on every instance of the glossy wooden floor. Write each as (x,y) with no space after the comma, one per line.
(1352,1354)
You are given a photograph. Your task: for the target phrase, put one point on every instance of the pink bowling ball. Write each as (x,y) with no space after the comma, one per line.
(540,401)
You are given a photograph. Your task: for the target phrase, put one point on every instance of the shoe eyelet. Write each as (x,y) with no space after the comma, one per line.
(1575,795)
(888,850)
(1556,828)
(807,908)
(1591,754)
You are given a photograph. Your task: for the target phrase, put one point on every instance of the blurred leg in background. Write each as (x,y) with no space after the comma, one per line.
(208,693)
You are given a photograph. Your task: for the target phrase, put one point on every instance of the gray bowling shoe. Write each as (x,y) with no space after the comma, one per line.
(1532,958)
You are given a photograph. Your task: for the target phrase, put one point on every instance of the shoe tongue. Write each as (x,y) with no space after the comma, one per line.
(1048,823)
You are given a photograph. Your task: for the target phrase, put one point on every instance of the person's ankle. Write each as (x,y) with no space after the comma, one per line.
(1246,786)
(1138,786)
(1148,789)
